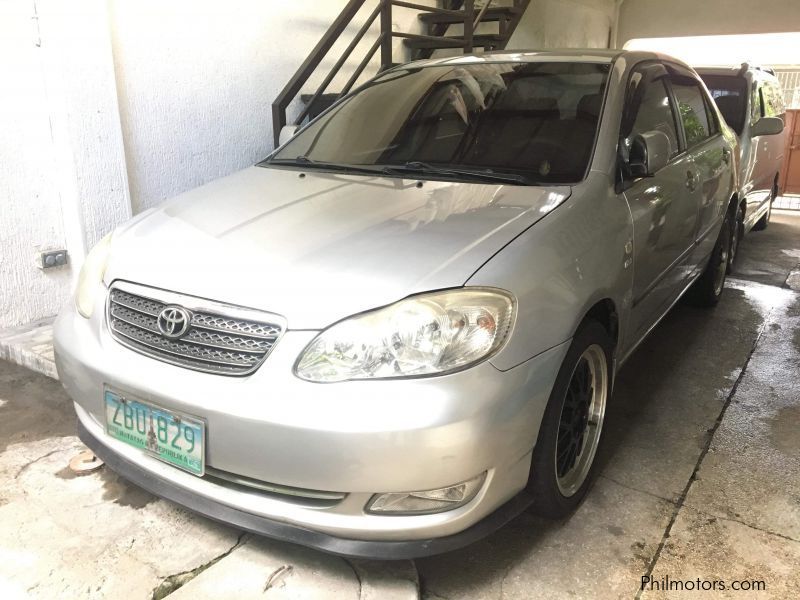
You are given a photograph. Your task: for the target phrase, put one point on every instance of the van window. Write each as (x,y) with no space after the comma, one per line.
(693,113)
(730,95)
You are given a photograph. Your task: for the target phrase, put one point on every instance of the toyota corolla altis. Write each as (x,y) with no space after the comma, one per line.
(402,328)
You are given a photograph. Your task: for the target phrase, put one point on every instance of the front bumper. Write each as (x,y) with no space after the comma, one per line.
(358,438)
(382,550)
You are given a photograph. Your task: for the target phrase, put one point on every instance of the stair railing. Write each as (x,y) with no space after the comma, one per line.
(462,10)
(382,42)
(481,14)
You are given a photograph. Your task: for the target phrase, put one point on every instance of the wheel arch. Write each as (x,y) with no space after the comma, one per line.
(605,312)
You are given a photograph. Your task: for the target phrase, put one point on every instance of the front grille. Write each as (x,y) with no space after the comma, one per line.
(216,341)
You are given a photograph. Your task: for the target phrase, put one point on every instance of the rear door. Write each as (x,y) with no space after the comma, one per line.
(710,153)
(663,207)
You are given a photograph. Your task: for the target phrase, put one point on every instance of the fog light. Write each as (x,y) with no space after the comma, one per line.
(427,502)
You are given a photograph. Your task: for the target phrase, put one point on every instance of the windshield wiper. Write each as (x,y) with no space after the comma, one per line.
(304,161)
(416,166)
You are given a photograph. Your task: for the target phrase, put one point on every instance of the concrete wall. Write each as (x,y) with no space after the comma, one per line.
(196,79)
(62,173)
(658,18)
(27,186)
(565,24)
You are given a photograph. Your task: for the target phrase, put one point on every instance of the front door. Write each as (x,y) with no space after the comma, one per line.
(663,207)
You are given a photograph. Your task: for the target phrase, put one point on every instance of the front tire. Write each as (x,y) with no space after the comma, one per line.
(707,290)
(563,464)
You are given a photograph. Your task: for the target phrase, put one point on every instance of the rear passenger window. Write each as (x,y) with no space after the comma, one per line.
(655,114)
(693,111)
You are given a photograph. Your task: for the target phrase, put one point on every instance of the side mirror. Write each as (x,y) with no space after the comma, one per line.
(649,154)
(767,126)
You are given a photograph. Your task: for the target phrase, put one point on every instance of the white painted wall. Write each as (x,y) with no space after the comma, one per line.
(565,24)
(660,18)
(196,81)
(27,185)
(62,176)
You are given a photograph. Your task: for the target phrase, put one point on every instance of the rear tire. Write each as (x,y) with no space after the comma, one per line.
(563,464)
(707,290)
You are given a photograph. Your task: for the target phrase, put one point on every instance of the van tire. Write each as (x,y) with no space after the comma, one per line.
(763,222)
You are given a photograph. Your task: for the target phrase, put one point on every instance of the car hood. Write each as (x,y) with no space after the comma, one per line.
(317,247)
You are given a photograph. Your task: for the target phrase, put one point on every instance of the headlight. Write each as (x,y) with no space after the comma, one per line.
(92,272)
(423,335)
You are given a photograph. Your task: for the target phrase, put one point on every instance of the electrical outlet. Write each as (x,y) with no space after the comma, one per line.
(54,258)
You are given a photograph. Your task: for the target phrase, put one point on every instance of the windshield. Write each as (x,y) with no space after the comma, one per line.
(730,94)
(534,119)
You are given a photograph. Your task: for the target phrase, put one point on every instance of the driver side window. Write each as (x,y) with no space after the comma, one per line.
(655,114)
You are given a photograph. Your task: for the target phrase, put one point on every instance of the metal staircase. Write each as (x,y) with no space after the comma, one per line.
(437,21)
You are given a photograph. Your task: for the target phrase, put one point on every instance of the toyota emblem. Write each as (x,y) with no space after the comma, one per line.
(174,321)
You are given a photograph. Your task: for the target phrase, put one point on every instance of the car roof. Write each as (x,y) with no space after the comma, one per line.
(594,55)
(736,71)
(720,70)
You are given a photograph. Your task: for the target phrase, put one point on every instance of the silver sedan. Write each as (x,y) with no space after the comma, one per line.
(402,328)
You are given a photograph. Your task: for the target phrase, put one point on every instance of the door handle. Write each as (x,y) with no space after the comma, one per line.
(726,155)
(691,182)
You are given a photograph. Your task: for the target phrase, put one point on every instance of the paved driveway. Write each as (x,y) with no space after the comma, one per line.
(700,483)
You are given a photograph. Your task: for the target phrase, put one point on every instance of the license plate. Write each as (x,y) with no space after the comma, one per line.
(176,439)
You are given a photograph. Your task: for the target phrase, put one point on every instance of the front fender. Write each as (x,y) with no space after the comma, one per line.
(559,268)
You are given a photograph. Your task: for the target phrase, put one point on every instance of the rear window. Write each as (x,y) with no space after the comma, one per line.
(730,95)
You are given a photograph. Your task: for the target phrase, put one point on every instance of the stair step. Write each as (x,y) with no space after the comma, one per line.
(492,14)
(323,102)
(478,41)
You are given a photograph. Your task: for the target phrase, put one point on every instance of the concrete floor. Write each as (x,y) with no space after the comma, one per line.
(700,479)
